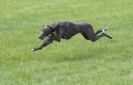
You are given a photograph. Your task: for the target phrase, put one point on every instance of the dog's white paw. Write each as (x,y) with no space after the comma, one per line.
(103,30)
(33,49)
(106,28)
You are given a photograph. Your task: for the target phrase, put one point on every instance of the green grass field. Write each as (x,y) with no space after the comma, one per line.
(70,62)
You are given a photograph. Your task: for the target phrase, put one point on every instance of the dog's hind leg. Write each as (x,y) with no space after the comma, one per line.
(45,43)
(89,34)
(85,36)
(103,31)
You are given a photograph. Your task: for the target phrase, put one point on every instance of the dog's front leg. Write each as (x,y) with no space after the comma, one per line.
(58,35)
(45,43)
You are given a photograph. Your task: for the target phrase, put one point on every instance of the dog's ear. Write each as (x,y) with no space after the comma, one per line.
(50,26)
(53,26)
(42,27)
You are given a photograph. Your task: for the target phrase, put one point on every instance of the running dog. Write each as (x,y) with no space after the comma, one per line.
(66,30)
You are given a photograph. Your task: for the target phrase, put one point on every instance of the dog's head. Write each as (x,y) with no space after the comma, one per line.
(45,31)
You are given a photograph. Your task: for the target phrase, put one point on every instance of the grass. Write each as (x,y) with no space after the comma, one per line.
(70,62)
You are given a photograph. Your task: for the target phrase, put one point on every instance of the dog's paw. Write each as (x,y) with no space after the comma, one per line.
(33,49)
(104,30)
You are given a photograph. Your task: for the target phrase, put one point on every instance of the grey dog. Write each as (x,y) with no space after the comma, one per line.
(65,30)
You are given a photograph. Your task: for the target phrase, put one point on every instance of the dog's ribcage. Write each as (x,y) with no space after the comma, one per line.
(70,30)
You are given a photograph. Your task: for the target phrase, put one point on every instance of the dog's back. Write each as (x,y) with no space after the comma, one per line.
(70,29)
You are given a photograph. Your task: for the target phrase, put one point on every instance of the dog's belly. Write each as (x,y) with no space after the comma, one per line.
(68,35)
